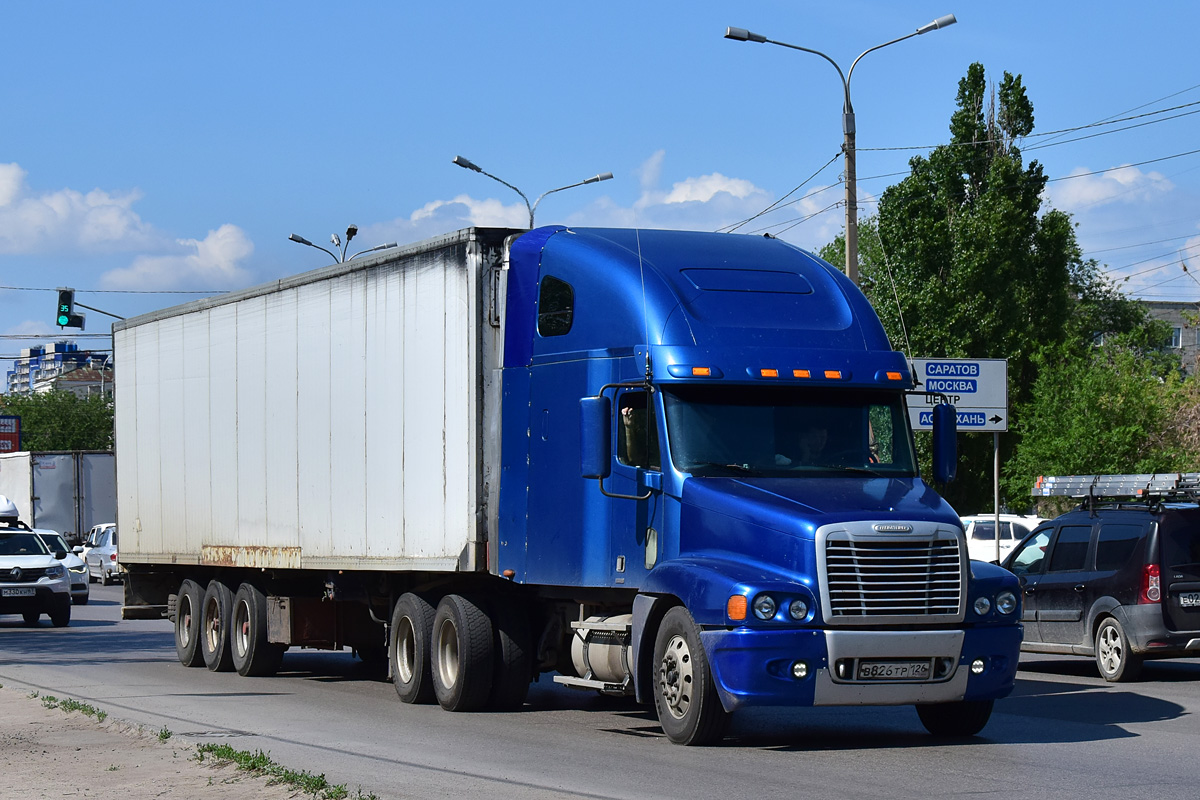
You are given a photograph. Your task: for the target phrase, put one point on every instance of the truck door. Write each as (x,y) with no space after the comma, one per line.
(1064,587)
(1028,563)
(637,470)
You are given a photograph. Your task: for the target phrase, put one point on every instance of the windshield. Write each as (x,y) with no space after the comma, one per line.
(788,431)
(22,544)
(54,541)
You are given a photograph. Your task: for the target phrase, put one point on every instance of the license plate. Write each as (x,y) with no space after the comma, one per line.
(18,592)
(1189,599)
(893,670)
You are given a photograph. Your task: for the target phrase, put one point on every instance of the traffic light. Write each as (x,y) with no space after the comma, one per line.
(67,318)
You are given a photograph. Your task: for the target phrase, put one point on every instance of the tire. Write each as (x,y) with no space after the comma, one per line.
(188,605)
(513,667)
(105,579)
(1114,657)
(685,694)
(964,718)
(461,655)
(411,631)
(31,618)
(216,617)
(253,655)
(61,617)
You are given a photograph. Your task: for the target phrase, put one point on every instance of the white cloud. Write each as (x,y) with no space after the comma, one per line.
(210,263)
(1126,184)
(67,220)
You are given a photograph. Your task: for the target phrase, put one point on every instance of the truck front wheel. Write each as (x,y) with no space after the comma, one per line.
(412,628)
(685,695)
(215,620)
(964,718)
(252,654)
(188,603)
(461,657)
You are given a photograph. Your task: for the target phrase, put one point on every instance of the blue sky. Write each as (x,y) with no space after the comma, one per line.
(152,147)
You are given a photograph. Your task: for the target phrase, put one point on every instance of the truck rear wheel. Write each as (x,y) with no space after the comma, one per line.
(412,629)
(252,654)
(514,659)
(461,656)
(964,718)
(214,627)
(188,603)
(685,695)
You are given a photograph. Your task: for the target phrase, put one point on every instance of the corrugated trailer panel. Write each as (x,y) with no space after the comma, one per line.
(331,421)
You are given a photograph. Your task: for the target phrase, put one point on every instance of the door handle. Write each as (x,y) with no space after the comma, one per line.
(1079,587)
(1030,590)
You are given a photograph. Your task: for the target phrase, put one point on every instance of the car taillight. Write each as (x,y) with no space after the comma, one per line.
(1151,587)
(113,557)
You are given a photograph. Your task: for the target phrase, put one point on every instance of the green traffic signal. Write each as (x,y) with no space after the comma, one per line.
(67,318)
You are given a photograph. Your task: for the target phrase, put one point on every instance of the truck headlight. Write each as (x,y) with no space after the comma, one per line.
(798,610)
(764,607)
(1006,602)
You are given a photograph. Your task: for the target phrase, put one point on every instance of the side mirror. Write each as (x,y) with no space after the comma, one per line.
(595,436)
(60,554)
(945,443)
(77,549)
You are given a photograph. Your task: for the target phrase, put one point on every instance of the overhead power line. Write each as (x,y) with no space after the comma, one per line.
(120,291)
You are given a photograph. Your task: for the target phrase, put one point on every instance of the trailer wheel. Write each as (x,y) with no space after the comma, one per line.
(412,629)
(685,695)
(461,656)
(514,660)
(962,718)
(252,654)
(188,603)
(215,620)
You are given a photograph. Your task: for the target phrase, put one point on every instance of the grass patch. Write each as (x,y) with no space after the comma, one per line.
(164,734)
(260,763)
(67,704)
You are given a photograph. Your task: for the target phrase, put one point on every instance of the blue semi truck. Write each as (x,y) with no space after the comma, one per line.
(666,464)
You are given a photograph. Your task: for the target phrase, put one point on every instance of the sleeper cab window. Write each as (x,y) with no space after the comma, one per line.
(556,307)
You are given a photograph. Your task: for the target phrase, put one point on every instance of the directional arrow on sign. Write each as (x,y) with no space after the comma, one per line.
(995,419)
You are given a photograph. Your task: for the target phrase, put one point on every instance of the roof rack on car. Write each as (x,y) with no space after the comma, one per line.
(1145,486)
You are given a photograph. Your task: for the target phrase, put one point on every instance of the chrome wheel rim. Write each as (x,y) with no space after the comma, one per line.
(405,651)
(212,625)
(448,653)
(241,628)
(184,628)
(675,677)
(1110,650)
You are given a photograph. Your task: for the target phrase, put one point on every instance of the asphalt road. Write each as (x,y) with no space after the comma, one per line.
(1063,732)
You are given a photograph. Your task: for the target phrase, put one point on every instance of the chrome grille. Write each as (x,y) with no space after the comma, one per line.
(27,575)
(893,577)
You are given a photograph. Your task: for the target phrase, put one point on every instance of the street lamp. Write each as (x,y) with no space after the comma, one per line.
(743,35)
(351,232)
(466,164)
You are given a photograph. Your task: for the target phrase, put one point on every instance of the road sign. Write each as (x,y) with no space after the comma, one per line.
(976,387)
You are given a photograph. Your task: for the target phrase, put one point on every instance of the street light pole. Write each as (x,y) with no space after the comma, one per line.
(351,232)
(531,208)
(848,130)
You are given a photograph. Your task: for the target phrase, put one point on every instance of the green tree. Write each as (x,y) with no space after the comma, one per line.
(962,260)
(62,420)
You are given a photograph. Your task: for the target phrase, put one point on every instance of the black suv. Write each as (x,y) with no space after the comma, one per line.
(1119,581)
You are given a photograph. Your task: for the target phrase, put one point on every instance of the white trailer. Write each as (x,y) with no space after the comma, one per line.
(65,491)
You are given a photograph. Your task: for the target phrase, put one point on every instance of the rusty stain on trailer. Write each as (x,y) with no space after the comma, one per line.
(250,556)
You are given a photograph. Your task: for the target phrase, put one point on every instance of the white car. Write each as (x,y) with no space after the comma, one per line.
(980,530)
(32,581)
(100,553)
(76,568)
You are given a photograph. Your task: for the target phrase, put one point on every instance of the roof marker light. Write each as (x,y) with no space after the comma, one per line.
(895,376)
(833,374)
(769,373)
(801,373)
(702,372)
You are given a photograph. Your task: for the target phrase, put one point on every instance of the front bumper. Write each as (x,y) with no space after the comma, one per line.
(753,667)
(45,597)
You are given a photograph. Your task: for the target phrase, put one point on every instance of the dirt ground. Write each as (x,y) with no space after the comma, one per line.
(49,753)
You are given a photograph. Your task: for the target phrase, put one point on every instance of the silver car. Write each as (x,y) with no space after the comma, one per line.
(32,581)
(76,568)
(101,555)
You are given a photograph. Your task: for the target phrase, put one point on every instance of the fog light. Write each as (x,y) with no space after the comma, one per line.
(842,667)
(982,606)
(977,666)
(764,606)
(800,670)
(1006,602)
(798,610)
